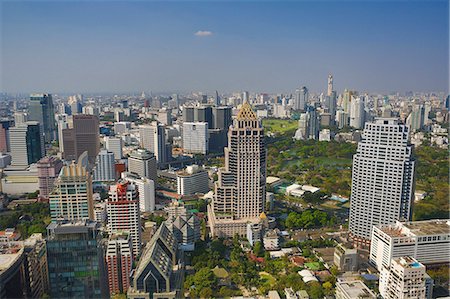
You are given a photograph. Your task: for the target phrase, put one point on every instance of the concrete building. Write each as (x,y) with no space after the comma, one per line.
(271,240)
(71,276)
(301,99)
(104,167)
(159,273)
(41,109)
(404,279)
(48,172)
(82,135)
(346,259)
(382,178)
(192,180)
(119,263)
(71,199)
(427,241)
(123,213)
(416,118)
(357,113)
(184,225)
(195,137)
(143,163)
(240,190)
(11,268)
(4,135)
(146,189)
(27,144)
(352,290)
(114,145)
(153,139)
(35,267)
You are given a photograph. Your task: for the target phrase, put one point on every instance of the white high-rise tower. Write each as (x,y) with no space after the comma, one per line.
(382,178)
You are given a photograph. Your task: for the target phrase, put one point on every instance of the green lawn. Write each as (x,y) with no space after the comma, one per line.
(279,126)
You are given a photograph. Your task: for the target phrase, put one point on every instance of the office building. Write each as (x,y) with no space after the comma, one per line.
(75,104)
(313,124)
(357,113)
(114,145)
(104,167)
(82,135)
(352,290)
(143,163)
(330,85)
(192,180)
(41,109)
(62,124)
(27,146)
(71,276)
(404,279)
(382,178)
(119,263)
(427,241)
(146,189)
(195,138)
(240,190)
(11,270)
(330,104)
(416,118)
(35,267)
(123,213)
(342,119)
(48,172)
(122,127)
(346,100)
(301,99)
(159,273)
(71,199)
(153,139)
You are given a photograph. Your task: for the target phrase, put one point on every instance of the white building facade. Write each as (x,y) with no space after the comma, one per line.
(195,137)
(382,178)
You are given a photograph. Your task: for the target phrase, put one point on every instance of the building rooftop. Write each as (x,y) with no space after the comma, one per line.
(417,228)
(355,289)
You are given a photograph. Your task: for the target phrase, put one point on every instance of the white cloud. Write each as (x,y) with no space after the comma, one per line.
(203,33)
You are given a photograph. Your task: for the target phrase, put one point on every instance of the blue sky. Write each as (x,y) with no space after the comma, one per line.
(272,46)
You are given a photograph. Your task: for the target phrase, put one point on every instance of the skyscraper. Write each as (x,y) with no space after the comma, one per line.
(82,136)
(153,139)
(382,178)
(71,199)
(357,113)
(26,143)
(330,85)
(123,213)
(240,190)
(48,172)
(143,163)
(119,262)
(301,99)
(313,122)
(416,118)
(104,167)
(41,110)
(75,260)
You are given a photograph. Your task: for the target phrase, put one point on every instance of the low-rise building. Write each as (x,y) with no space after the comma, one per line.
(346,259)
(352,290)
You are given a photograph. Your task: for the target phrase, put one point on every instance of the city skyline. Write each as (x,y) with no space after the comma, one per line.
(228,46)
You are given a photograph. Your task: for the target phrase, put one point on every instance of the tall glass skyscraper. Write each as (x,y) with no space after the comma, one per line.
(41,110)
(75,260)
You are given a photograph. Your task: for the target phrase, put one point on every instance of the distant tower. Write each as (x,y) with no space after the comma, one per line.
(240,192)
(27,144)
(330,85)
(382,178)
(41,110)
(217,99)
(301,99)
